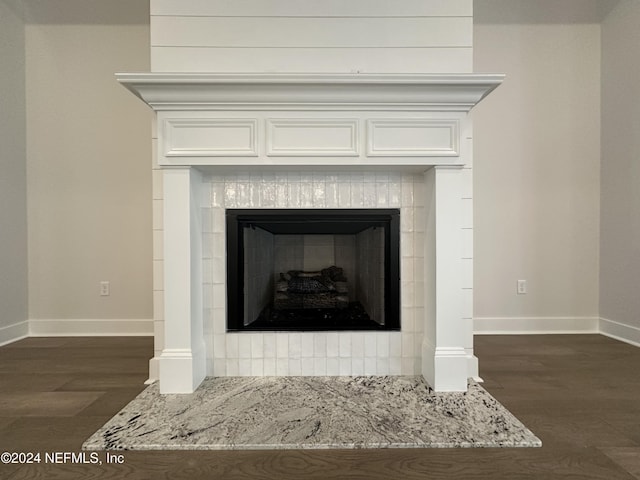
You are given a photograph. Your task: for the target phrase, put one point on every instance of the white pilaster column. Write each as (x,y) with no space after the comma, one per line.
(444,358)
(182,362)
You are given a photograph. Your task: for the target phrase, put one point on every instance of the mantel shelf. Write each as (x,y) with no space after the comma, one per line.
(415,92)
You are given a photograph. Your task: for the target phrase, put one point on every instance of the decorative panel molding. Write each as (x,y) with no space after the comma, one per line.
(311,119)
(413,138)
(309,137)
(210,137)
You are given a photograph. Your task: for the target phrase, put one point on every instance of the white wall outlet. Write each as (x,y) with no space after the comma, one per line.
(105,288)
(522,287)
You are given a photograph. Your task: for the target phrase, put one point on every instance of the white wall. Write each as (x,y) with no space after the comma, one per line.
(537,167)
(311,36)
(620,175)
(13,197)
(515,36)
(88,159)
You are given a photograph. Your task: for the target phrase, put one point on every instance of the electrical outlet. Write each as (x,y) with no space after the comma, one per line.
(105,289)
(522,287)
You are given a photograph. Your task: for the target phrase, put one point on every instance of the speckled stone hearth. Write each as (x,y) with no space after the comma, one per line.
(312,412)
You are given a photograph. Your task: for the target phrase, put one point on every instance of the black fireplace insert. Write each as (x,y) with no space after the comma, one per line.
(313,269)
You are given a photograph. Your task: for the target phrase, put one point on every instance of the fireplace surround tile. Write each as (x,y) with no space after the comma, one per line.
(342,353)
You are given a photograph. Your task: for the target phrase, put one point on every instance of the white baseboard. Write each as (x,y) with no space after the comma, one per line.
(94,327)
(13,333)
(534,325)
(620,331)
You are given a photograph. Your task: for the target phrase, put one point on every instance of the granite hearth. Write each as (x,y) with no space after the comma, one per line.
(234,413)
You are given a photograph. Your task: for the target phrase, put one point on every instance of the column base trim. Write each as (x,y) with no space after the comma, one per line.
(446,369)
(181,370)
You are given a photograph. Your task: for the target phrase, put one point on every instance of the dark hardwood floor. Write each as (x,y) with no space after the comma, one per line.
(579,393)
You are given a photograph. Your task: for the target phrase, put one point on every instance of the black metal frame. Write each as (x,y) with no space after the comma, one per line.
(311,221)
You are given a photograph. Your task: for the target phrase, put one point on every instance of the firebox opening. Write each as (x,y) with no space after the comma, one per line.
(301,270)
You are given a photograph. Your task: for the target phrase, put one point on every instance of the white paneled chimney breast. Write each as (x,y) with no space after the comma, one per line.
(312,110)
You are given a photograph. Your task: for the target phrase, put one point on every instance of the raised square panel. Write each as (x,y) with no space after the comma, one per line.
(210,137)
(312,138)
(412,138)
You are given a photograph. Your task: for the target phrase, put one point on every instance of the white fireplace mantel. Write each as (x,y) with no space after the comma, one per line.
(341,120)
(198,91)
(327,122)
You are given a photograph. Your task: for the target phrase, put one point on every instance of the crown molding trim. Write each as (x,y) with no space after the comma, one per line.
(415,92)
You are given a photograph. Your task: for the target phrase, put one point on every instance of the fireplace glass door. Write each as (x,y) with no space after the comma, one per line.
(301,270)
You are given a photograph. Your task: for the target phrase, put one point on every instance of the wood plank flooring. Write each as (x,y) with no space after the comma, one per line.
(579,393)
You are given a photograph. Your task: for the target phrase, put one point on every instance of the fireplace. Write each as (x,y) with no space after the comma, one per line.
(327,143)
(313,270)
